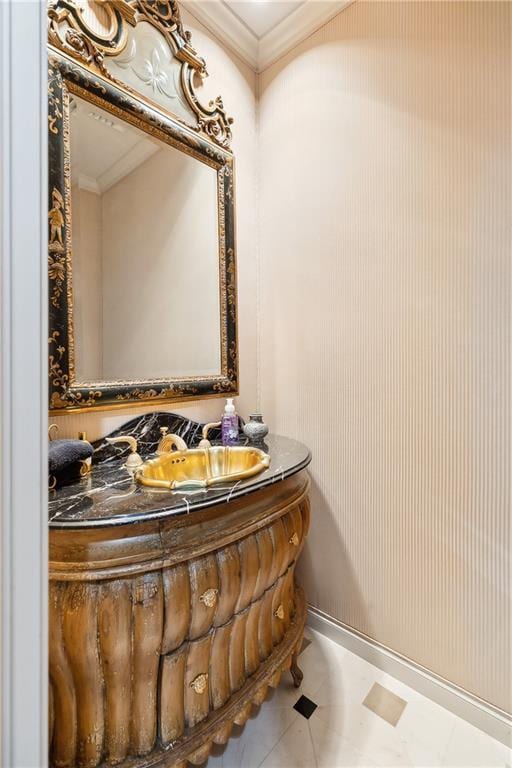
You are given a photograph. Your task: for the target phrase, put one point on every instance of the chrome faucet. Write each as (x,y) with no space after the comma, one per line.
(168,442)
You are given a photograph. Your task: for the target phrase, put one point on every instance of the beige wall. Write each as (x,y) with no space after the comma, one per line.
(161,304)
(385,249)
(236,83)
(87,281)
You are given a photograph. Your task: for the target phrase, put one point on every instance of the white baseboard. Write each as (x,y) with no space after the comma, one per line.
(482,715)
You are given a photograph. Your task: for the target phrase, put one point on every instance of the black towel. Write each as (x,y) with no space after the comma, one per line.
(63,453)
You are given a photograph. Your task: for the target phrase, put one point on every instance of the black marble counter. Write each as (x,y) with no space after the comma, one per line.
(109,496)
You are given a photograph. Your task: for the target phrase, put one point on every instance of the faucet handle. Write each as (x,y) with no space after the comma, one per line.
(164,431)
(209,426)
(134,460)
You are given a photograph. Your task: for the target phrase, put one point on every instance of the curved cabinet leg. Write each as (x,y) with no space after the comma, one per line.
(296,672)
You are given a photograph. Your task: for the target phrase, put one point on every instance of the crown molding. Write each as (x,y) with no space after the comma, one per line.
(217,17)
(295,28)
(261,53)
(88,184)
(137,155)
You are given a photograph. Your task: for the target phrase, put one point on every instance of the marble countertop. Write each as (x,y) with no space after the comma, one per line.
(109,496)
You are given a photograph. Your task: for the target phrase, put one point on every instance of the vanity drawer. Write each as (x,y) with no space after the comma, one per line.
(208,591)
(202,674)
(196,690)
(204,591)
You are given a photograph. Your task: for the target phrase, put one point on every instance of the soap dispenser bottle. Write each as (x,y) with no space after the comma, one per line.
(229,424)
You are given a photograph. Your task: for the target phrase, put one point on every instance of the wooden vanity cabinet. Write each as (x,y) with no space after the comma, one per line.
(165,633)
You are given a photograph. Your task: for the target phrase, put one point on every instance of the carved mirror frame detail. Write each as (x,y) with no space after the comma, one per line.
(84,75)
(69,33)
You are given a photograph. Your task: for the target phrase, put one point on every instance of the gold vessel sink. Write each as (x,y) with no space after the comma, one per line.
(202,467)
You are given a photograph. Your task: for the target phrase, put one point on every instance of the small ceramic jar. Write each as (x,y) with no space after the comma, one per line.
(255,429)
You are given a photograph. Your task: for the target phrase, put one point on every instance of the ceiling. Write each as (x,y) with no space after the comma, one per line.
(261,31)
(104,149)
(261,16)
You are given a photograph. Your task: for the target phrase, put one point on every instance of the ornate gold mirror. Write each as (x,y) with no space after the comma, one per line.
(142,275)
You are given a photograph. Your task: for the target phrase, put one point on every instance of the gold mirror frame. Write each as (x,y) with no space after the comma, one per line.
(77,65)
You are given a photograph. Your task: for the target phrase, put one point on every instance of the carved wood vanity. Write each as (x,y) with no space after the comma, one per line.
(170,614)
(164,632)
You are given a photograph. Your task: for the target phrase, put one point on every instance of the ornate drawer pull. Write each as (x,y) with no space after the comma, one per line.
(209,598)
(279,612)
(294,539)
(200,683)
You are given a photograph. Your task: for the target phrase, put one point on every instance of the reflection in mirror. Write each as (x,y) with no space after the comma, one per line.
(145,271)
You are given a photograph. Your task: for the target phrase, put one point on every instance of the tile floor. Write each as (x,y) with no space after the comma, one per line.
(341,732)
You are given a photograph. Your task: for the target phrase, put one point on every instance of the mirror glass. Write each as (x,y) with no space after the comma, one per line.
(145,254)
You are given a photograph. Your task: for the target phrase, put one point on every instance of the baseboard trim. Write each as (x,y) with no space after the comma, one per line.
(482,715)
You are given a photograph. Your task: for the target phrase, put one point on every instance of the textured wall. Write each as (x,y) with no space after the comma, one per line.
(156,259)
(385,249)
(237,84)
(88,275)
